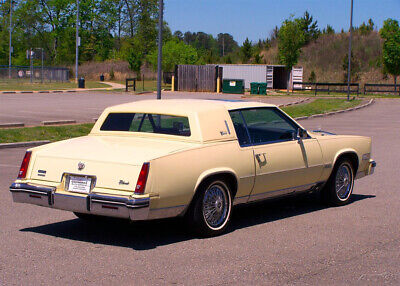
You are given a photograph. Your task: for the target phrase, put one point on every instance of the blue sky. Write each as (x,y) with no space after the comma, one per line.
(256,18)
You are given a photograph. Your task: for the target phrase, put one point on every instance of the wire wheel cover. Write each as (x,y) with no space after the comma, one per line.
(344,182)
(215,206)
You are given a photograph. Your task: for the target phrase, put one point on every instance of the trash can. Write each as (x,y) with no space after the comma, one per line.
(102,77)
(254,87)
(262,88)
(81,83)
(235,86)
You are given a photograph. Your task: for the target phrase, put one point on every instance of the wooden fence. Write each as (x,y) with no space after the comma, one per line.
(197,78)
(381,88)
(327,87)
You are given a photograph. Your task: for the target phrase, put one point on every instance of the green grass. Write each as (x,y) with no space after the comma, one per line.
(52,133)
(308,93)
(147,85)
(319,106)
(56,133)
(26,85)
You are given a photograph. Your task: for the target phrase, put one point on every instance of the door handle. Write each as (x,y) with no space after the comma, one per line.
(259,160)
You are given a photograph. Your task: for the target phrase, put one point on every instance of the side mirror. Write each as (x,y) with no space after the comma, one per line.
(301,133)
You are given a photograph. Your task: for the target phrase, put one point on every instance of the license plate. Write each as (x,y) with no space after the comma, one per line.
(79,184)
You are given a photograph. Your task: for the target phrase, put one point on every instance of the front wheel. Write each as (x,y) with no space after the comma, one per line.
(212,208)
(340,185)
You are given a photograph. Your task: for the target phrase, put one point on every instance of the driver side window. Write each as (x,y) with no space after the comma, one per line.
(268,125)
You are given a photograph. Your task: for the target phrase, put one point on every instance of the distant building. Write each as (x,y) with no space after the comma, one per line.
(274,75)
(204,77)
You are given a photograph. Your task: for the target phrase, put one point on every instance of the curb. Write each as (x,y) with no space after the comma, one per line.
(294,103)
(143,92)
(58,122)
(36,91)
(23,144)
(280,105)
(14,124)
(337,112)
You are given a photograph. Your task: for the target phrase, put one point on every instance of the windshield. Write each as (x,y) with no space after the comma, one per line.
(148,123)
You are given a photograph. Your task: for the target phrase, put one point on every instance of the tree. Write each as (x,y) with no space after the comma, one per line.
(226,44)
(274,34)
(257,58)
(390,34)
(365,29)
(328,30)
(355,68)
(313,77)
(290,40)
(134,55)
(174,53)
(247,51)
(179,35)
(309,27)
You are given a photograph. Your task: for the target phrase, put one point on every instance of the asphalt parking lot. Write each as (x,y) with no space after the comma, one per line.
(292,241)
(32,109)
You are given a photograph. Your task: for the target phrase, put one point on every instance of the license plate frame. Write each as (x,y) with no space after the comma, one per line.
(79,184)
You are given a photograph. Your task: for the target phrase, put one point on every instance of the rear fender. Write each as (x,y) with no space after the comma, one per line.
(215,171)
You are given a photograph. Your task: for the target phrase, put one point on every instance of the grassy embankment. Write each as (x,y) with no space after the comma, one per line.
(26,85)
(306,93)
(56,133)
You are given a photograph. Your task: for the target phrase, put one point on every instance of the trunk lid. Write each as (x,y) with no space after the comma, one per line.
(115,162)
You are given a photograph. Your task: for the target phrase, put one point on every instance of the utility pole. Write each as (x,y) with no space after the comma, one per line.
(349,66)
(77,41)
(223,45)
(159,64)
(42,64)
(10,42)
(31,63)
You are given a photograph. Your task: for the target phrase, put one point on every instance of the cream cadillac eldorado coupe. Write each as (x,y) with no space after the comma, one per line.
(194,158)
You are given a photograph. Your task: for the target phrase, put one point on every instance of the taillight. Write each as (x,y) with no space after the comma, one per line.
(141,182)
(24,165)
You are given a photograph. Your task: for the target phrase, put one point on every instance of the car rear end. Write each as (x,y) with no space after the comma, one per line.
(96,174)
(89,190)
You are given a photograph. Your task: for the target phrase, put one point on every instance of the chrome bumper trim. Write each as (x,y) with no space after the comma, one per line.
(369,171)
(34,190)
(372,167)
(120,201)
(122,207)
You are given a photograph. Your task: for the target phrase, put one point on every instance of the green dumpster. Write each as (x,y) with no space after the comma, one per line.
(254,86)
(262,88)
(233,86)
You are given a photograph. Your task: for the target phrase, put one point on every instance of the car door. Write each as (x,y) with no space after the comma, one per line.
(283,163)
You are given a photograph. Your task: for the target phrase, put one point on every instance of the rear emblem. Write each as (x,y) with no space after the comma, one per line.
(122,182)
(81,166)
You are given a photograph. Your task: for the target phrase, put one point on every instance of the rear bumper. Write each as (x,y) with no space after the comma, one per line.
(104,205)
(368,171)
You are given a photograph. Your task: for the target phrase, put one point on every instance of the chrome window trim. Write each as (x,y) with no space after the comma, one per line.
(292,122)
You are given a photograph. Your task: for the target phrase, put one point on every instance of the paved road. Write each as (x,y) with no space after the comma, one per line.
(293,241)
(31,109)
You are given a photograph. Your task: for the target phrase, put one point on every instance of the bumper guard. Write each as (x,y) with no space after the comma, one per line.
(103,205)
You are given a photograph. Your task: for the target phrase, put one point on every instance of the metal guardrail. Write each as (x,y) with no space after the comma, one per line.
(326,87)
(127,85)
(376,88)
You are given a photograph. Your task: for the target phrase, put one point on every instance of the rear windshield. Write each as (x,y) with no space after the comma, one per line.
(147,122)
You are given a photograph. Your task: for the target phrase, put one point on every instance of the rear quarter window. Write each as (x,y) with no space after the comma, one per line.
(147,123)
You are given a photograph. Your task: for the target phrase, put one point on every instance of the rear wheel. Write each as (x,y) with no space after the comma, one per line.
(212,208)
(340,185)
